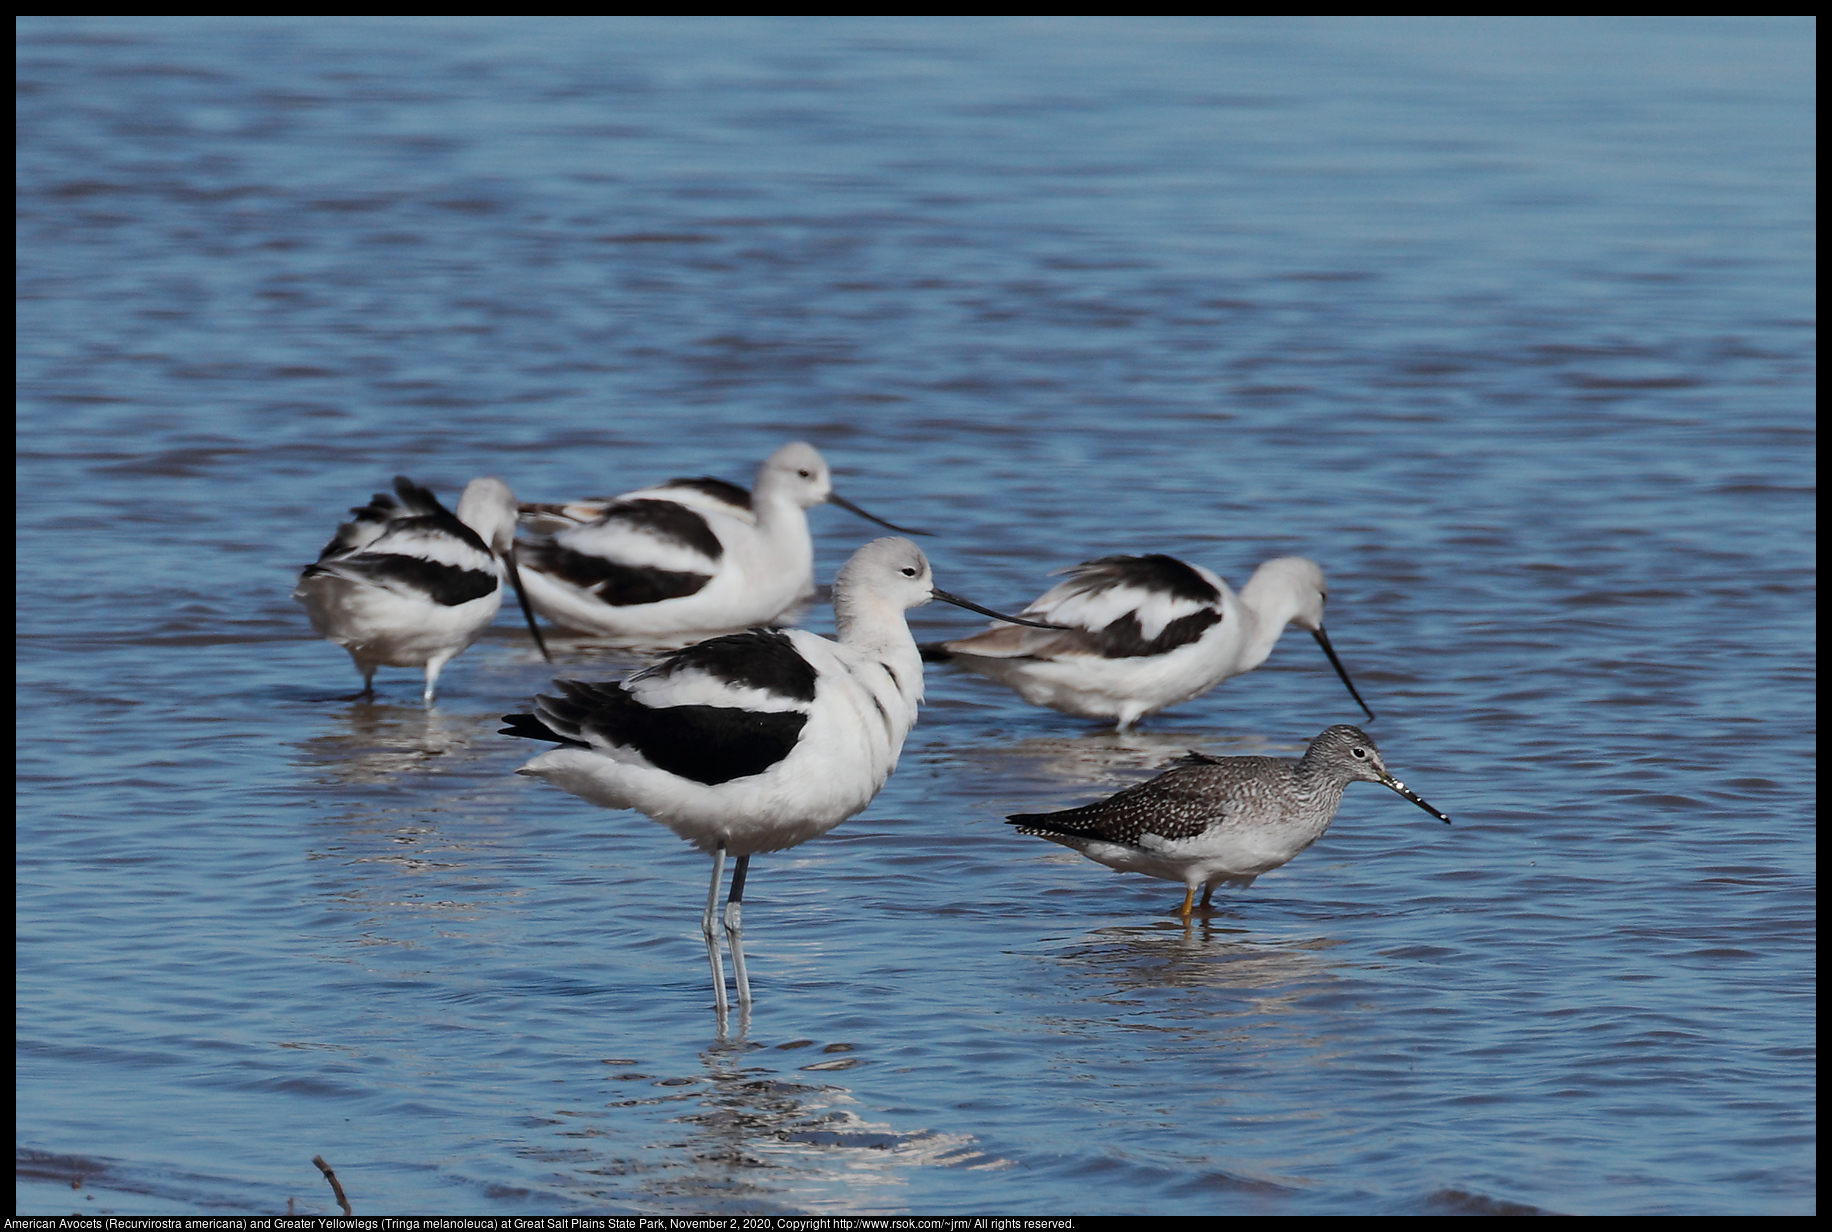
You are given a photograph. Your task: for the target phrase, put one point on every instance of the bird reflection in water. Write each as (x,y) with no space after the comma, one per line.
(372,744)
(1207,953)
(768,1131)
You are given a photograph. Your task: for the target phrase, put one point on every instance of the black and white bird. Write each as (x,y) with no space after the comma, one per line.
(688,556)
(1144,633)
(756,741)
(1213,821)
(408,584)
(704,492)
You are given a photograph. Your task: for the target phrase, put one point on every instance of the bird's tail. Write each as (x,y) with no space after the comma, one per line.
(1044,823)
(530,727)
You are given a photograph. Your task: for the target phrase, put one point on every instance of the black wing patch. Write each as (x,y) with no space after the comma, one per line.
(446,585)
(708,744)
(755,659)
(670,521)
(415,508)
(718,489)
(378,513)
(1125,638)
(1165,574)
(417,500)
(615,584)
(381,508)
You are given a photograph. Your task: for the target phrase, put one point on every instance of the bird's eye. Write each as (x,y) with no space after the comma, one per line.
(909,571)
(805,474)
(1359,752)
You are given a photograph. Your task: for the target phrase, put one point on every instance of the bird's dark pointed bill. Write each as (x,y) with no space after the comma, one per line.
(1323,641)
(957,601)
(521,597)
(1413,796)
(836,499)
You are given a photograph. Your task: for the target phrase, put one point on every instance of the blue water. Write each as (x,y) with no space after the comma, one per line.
(1505,322)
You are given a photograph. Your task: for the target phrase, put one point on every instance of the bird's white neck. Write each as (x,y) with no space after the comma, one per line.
(784,525)
(1268,604)
(874,627)
(772,502)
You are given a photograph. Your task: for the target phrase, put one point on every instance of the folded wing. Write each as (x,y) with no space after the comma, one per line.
(1116,607)
(718,710)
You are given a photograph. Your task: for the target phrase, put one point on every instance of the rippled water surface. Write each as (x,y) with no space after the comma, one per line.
(1505,323)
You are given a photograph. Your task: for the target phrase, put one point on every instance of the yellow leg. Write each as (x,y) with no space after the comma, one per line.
(1206,891)
(1189,896)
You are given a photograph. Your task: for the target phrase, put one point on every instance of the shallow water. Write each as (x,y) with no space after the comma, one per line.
(1504,322)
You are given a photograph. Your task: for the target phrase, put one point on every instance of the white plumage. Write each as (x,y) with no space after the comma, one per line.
(688,556)
(819,730)
(755,741)
(407,583)
(1145,633)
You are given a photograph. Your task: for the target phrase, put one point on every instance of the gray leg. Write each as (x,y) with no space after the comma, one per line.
(734,929)
(434,666)
(709,927)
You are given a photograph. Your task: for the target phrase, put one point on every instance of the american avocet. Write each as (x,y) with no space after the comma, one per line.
(1146,632)
(407,584)
(691,555)
(1221,820)
(754,741)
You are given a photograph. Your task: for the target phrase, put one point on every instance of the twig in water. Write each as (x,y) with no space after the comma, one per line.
(335,1187)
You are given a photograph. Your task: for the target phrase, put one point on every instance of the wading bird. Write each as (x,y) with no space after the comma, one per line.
(1213,821)
(756,741)
(408,584)
(1144,633)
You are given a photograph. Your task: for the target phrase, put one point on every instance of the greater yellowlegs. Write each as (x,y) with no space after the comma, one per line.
(1212,821)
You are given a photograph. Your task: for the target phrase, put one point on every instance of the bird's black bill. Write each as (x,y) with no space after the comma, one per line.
(1413,796)
(836,499)
(1323,641)
(521,597)
(957,601)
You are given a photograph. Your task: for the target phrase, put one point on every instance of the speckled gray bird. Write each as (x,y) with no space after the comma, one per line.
(1213,821)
